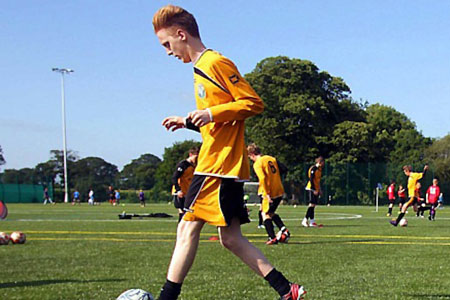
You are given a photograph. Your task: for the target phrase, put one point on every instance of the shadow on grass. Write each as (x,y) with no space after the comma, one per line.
(346,225)
(335,242)
(428,296)
(14,284)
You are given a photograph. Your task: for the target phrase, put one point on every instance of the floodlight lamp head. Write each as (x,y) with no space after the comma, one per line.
(63,71)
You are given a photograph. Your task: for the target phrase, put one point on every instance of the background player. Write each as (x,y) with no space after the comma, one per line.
(314,191)
(111,195)
(76,197)
(142,198)
(270,191)
(412,180)
(401,196)
(182,178)
(224,100)
(432,197)
(391,197)
(421,204)
(47,197)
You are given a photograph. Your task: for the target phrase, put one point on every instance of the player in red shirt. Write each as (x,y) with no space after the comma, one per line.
(401,196)
(432,197)
(421,205)
(391,197)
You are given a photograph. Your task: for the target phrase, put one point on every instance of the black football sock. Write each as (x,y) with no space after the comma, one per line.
(390,211)
(277,220)
(278,282)
(170,290)
(400,216)
(310,213)
(269,228)
(260,218)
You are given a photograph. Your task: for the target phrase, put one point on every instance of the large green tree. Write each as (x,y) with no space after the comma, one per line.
(350,142)
(438,155)
(53,169)
(302,106)
(385,123)
(21,176)
(140,173)
(95,173)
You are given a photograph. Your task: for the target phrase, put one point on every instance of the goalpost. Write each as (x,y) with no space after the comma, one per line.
(378,188)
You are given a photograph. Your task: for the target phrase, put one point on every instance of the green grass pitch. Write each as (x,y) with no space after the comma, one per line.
(85,252)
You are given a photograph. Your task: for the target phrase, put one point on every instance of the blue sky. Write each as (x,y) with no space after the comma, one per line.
(391,52)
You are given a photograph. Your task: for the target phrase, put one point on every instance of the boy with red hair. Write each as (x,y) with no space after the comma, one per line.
(224,100)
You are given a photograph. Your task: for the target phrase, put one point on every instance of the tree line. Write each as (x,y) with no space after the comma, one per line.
(307,113)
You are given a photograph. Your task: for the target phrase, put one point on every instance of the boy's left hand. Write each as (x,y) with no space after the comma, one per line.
(199,117)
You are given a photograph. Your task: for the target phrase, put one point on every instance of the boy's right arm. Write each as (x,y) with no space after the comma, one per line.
(173,123)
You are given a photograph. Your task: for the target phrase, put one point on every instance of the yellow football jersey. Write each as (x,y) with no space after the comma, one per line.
(230,99)
(266,168)
(182,177)
(412,180)
(314,175)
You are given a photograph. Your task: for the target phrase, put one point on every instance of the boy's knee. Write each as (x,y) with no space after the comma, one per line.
(228,241)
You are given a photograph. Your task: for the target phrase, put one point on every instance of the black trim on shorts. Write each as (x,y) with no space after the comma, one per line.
(232,203)
(231,198)
(274,205)
(313,199)
(194,190)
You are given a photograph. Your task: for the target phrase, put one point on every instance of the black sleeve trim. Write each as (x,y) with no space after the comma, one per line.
(204,75)
(191,126)
(181,167)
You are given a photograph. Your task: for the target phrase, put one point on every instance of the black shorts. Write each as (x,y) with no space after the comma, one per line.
(272,206)
(313,199)
(391,201)
(178,202)
(215,200)
(402,200)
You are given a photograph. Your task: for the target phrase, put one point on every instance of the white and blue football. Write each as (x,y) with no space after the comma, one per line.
(135,294)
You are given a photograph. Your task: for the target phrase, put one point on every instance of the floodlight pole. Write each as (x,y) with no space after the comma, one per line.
(63,101)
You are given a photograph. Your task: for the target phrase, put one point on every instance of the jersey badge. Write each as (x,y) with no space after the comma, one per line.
(234,79)
(201,92)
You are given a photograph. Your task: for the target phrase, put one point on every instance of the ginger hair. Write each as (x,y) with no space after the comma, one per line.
(171,15)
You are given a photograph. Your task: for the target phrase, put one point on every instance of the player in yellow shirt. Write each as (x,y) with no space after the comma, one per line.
(314,191)
(413,177)
(224,100)
(271,192)
(182,178)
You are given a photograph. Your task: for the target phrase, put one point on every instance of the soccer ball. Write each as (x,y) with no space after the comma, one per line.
(18,237)
(283,236)
(403,222)
(135,294)
(4,238)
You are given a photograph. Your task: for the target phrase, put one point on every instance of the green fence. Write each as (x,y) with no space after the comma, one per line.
(355,183)
(23,193)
